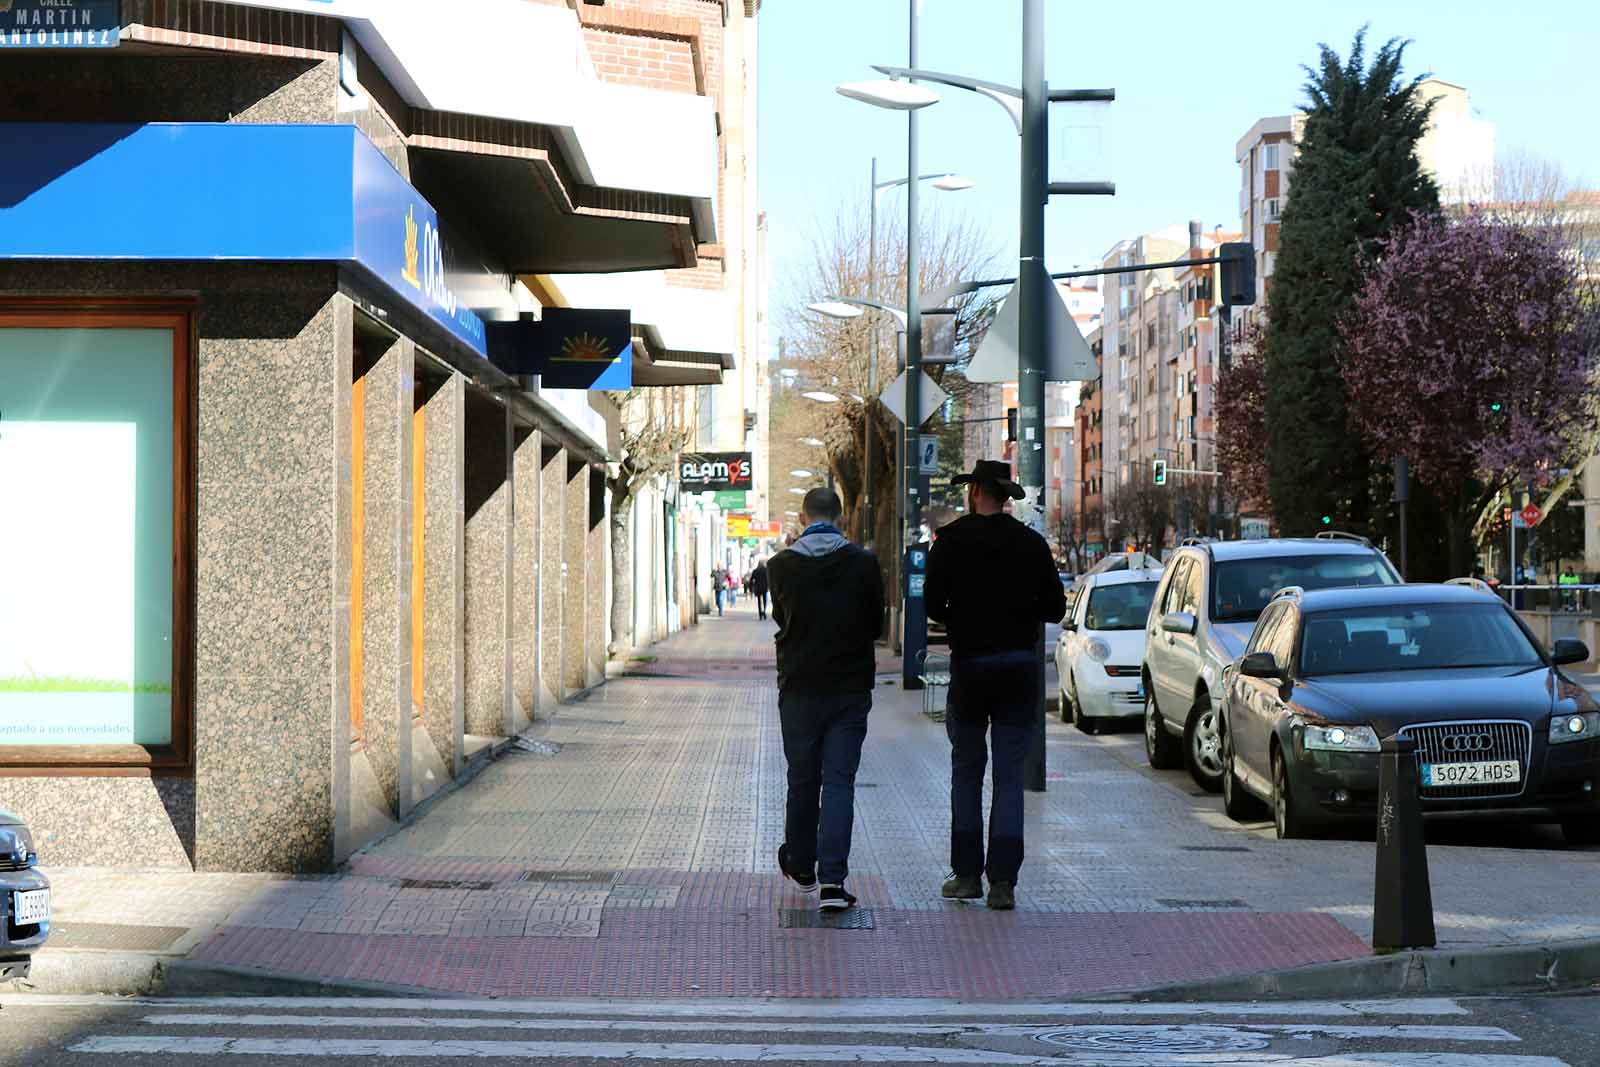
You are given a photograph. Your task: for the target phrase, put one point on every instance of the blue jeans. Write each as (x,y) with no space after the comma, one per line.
(719,602)
(822,737)
(991,702)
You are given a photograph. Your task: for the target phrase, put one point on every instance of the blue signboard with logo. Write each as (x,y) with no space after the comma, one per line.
(60,23)
(206,191)
(569,348)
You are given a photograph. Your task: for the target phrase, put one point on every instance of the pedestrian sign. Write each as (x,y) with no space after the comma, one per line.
(1531,515)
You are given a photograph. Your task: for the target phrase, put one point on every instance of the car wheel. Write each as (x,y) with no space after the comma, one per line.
(1236,801)
(1063,705)
(1087,723)
(1160,747)
(1581,832)
(1286,820)
(1202,745)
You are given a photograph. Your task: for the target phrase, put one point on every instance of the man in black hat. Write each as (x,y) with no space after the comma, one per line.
(992,581)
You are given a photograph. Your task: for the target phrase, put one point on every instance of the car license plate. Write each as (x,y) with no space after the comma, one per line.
(32,906)
(1491,772)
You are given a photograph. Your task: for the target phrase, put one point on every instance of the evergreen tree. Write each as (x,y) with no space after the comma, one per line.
(1356,176)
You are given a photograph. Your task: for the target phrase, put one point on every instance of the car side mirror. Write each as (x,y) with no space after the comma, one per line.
(1068,624)
(1260,665)
(1569,650)
(1179,622)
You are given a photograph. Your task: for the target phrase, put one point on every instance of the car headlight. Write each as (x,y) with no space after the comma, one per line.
(1579,726)
(1341,738)
(1098,650)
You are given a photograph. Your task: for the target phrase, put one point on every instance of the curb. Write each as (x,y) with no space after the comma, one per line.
(1502,969)
(1479,971)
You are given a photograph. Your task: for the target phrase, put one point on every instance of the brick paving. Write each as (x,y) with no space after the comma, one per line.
(636,860)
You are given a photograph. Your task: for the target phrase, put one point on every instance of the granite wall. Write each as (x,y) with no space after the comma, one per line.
(443,403)
(552,575)
(489,509)
(525,558)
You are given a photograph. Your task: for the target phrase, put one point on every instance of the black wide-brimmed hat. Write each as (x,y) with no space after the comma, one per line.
(991,472)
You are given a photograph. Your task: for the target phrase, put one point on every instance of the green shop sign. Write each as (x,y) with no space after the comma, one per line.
(731,499)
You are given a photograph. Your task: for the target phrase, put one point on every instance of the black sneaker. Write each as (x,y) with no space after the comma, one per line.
(805,880)
(962,887)
(836,898)
(1002,896)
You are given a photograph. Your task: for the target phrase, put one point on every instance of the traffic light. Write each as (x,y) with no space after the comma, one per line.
(1495,407)
(1327,520)
(1161,472)
(1238,273)
(1011,424)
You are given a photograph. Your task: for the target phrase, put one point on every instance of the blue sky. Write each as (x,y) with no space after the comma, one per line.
(1191,77)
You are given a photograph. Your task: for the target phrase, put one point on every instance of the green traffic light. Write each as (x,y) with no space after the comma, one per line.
(1494,407)
(1327,520)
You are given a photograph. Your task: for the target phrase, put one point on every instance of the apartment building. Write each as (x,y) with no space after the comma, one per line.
(1089,444)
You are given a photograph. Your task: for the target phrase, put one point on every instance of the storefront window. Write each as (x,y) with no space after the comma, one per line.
(87,605)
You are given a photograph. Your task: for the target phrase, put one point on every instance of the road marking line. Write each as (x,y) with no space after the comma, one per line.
(590,1050)
(770,1009)
(953,1029)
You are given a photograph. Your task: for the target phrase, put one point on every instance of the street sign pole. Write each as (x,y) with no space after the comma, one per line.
(915,615)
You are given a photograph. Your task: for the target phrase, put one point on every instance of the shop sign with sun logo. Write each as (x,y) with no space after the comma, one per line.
(569,348)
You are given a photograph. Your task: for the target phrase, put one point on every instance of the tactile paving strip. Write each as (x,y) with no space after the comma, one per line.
(126,938)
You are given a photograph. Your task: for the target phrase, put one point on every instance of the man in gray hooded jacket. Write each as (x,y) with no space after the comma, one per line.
(827,599)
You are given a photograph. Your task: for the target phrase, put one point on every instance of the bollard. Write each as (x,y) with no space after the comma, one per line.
(1402,901)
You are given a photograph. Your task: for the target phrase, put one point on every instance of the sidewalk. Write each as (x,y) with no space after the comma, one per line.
(637,860)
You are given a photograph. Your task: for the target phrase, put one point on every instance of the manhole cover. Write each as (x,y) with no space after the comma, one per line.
(814,919)
(1203,905)
(604,878)
(127,938)
(1156,1040)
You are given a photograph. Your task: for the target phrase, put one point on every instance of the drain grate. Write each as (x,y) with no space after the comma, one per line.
(1212,848)
(815,919)
(443,883)
(127,938)
(1203,905)
(604,878)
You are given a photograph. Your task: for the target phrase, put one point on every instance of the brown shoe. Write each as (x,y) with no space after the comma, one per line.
(1002,896)
(962,887)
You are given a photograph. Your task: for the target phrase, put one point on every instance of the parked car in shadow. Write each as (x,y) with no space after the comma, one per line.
(1499,729)
(24,898)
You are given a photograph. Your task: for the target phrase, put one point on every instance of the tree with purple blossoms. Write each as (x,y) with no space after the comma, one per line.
(1471,350)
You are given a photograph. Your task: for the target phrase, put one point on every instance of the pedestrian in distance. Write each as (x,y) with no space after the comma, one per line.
(719,579)
(992,582)
(827,599)
(759,584)
(730,582)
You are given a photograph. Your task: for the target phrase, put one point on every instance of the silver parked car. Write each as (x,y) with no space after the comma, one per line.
(24,898)
(1208,603)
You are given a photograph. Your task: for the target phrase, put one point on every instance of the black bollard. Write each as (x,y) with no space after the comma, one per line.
(1402,901)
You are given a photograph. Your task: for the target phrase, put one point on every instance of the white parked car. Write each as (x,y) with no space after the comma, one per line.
(1101,649)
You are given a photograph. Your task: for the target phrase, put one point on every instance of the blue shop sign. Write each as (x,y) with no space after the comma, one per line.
(569,348)
(223,191)
(60,23)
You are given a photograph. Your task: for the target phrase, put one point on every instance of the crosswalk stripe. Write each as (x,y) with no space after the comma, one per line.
(589,1050)
(1410,1032)
(1432,1007)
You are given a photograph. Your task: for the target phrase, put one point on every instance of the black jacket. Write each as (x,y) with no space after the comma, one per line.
(827,599)
(992,581)
(758,580)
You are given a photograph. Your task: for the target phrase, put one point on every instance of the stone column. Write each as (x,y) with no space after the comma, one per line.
(525,560)
(272,686)
(552,589)
(578,599)
(599,564)
(443,407)
(386,573)
(488,567)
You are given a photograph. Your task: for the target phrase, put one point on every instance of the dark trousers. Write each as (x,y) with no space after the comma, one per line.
(991,703)
(761,605)
(822,736)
